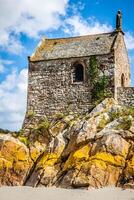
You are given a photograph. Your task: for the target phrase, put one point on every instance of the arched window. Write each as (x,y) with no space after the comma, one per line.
(78,73)
(122,80)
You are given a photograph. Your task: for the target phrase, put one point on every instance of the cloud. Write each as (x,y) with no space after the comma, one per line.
(29,17)
(34,17)
(1,67)
(13,92)
(76,25)
(13,45)
(129,38)
(76,7)
(3,63)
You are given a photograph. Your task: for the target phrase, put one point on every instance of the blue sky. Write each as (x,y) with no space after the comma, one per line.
(23,23)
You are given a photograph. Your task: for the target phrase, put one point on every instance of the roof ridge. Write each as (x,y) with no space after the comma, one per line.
(81,36)
(55,47)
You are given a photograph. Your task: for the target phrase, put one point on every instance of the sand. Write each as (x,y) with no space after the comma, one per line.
(27,193)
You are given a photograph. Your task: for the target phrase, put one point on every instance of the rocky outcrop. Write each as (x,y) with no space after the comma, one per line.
(94,150)
(14,161)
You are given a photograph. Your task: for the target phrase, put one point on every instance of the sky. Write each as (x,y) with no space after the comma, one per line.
(22,25)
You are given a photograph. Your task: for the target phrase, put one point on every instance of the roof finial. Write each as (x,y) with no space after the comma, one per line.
(119,21)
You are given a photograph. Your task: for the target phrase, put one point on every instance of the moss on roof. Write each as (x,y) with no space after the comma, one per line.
(74,46)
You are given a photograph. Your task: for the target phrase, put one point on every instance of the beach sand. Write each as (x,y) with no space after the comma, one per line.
(27,193)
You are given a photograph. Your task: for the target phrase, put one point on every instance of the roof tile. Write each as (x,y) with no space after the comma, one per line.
(74,46)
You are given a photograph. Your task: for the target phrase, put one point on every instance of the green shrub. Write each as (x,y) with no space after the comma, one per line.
(43,125)
(24,140)
(59,116)
(103,122)
(30,114)
(125,124)
(124,112)
(21,131)
(116,114)
(129,111)
(99,84)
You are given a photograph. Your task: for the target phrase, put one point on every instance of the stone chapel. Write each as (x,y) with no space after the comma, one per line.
(60,71)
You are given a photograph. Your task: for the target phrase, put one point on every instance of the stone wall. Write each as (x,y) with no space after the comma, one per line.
(51,88)
(125,96)
(122,66)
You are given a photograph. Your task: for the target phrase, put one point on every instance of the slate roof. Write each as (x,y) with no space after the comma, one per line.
(74,46)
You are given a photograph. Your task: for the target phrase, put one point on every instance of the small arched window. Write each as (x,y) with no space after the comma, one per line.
(122,80)
(78,73)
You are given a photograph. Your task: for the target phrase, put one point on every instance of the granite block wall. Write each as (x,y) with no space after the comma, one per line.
(51,88)
(122,66)
(125,96)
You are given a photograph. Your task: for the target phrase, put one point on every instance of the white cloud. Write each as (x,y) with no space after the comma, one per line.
(13,45)
(76,25)
(28,16)
(1,67)
(129,38)
(76,8)
(3,63)
(13,92)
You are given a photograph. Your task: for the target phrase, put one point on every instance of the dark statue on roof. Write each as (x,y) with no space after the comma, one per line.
(119,21)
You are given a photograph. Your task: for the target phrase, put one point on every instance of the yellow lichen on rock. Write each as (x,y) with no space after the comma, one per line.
(5,164)
(36,150)
(14,160)
(72,152)
(50,158)
(108,158)
(82,154)
(21,154)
